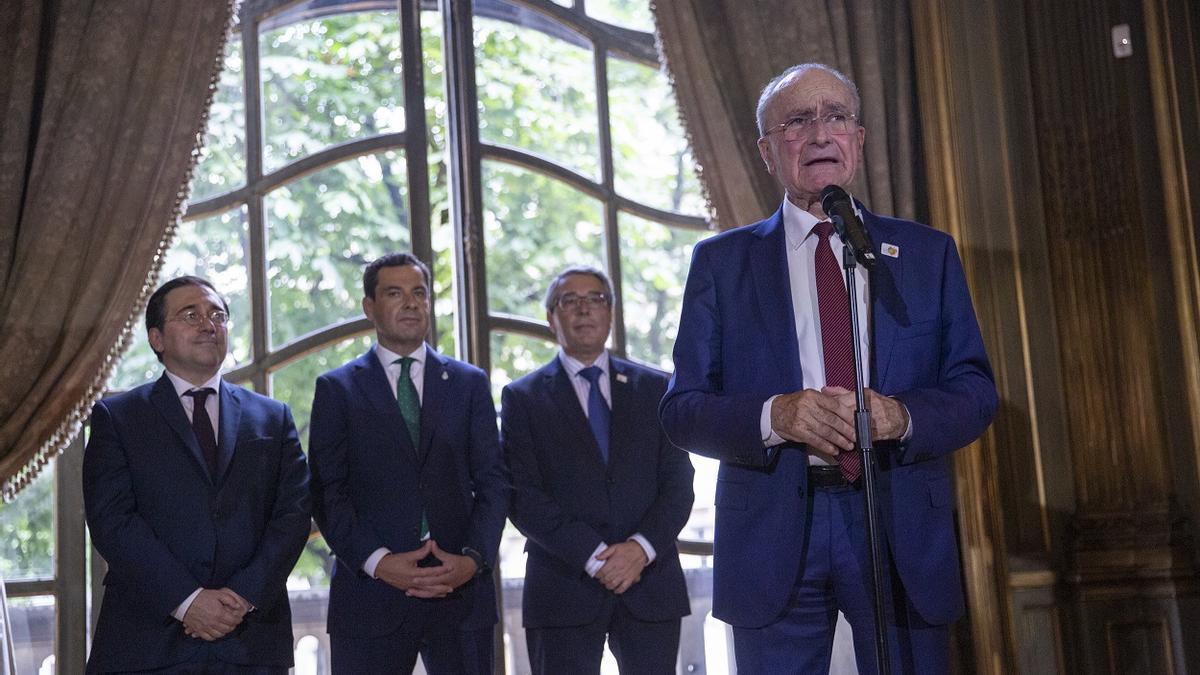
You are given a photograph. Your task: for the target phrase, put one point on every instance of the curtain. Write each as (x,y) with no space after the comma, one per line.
(720,54)
(102,106)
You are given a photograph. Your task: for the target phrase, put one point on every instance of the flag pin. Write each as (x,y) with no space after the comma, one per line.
(622,378)
(890,250)
(445,375)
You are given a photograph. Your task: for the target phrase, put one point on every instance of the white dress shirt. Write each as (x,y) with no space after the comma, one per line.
(583,389)
(416,372)
(802,242)
(212,404)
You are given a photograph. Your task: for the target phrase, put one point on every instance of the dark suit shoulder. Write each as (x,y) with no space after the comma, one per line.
(636,371)
(253,398)
(531,381)
(136,396)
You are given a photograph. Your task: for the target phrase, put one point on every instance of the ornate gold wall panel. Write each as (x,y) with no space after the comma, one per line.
(1063,173)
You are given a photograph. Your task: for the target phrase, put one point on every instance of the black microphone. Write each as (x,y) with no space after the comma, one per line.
(838,206)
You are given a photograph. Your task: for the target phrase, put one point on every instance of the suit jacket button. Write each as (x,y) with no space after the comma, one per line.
(800,490)
(611,481)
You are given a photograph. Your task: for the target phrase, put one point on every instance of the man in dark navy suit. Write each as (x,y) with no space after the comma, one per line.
(763,382)
(601,494)
(196,493)
(410,491)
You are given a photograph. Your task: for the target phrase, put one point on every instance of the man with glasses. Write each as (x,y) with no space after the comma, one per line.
(196,495)
(409,490)
(764,382)
(601,494)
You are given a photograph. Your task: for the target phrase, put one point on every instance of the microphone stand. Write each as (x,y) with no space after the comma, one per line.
(862,436)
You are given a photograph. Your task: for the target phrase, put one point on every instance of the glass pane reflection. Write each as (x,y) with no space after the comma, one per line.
(322,230)
(652,161)
(330,80)
(533,227)
(537,93)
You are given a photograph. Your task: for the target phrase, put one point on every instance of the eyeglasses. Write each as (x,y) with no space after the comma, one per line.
(196,319)
(572,302)
(799,127)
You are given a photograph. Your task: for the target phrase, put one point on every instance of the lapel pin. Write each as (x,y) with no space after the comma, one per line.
(621,378)
(445,375)
(890,250)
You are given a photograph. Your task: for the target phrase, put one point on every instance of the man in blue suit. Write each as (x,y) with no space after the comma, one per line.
(410,491)
(760,385)
(601,494)
(196,494)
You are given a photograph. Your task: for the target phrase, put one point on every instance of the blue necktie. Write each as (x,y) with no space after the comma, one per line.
(598,413)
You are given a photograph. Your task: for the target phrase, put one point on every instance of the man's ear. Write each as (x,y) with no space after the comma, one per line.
(764,151)
(155,336)
(368,306)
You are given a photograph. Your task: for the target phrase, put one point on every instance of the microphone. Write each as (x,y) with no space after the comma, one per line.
(838,206)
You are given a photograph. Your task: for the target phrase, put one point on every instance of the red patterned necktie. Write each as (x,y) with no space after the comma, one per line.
(836,342)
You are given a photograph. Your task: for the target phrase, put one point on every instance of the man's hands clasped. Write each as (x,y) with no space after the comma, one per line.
(214,613)
(402,571)
(824,420)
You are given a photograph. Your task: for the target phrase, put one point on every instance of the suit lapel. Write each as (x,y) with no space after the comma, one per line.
(622,387)
(372,383)
(230,415)
(768,260)
(888,311)
(435,386)
(562,394)
(167,402)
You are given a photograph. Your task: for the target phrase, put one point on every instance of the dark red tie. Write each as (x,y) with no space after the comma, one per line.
(203,428)
(836,342)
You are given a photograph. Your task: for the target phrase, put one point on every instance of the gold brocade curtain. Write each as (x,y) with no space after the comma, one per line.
(102,103)
(720,54)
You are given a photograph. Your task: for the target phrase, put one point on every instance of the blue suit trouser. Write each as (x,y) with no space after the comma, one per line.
(835,574)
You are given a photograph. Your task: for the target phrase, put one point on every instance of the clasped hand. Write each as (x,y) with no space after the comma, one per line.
(824,420)
(402,571)
(214,613)
(623,565)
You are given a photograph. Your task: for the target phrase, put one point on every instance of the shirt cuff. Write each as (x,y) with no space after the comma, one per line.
(645,544)
(373,561)
(181,610)
(766,433)
(594,564)
(907,435)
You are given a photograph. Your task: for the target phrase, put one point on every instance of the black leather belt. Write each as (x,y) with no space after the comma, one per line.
(820,476)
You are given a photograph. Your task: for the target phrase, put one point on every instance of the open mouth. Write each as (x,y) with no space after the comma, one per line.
(821,160)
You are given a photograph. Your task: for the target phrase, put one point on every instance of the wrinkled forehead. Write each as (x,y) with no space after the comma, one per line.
(810,92)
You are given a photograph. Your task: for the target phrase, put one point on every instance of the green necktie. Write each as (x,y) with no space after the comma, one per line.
(410,409)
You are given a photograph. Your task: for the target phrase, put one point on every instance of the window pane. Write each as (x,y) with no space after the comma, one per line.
(515,355)
(322,230)
(533,227)
(652,161)
(634,14)
(33,626)
(294,383)
(330,80)
(222,164)
(27,531)
(654,264)
(216,248)
(538,92)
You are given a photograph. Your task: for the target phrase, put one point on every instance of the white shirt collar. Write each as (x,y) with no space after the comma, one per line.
(182,386)
(387,357)
(798,223)
(574,365)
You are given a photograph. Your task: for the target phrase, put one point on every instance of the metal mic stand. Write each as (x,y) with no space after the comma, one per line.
(862,437)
